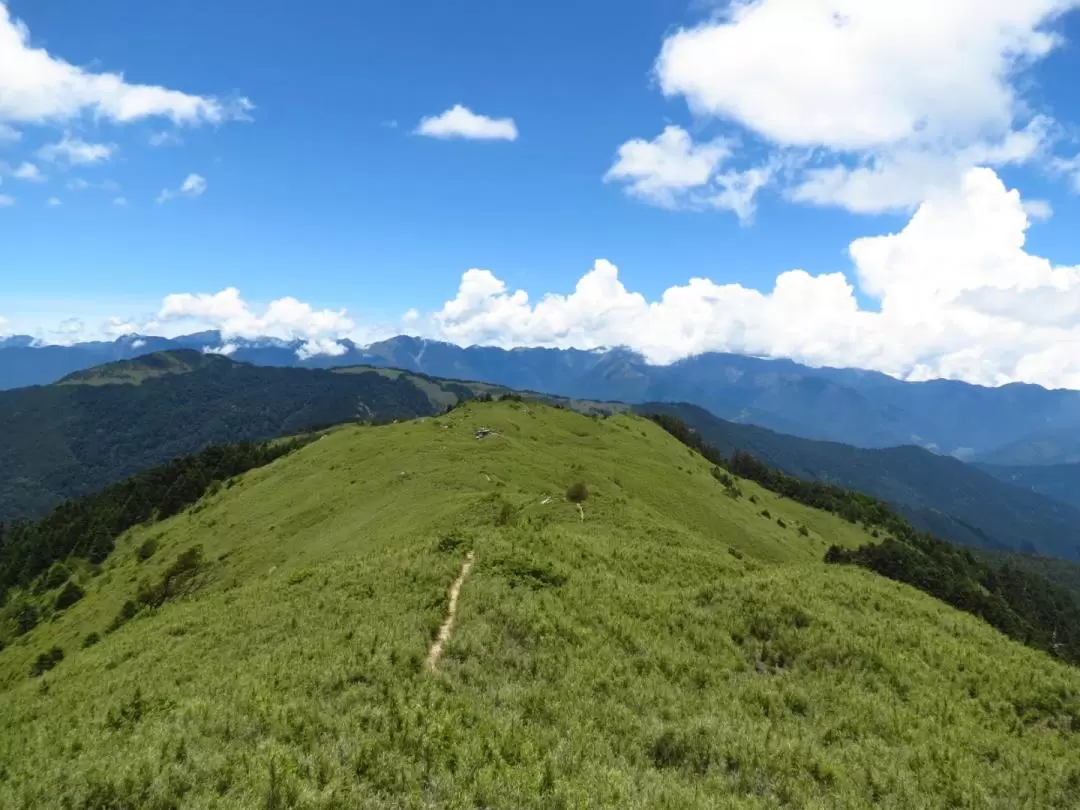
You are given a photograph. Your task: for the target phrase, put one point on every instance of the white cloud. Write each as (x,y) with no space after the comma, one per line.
(461,122)
(1038,210)
(321,347)
(5,326)
(1071,168)
(660,170)
(120,201)
(9,135)
(77,152)
(37,87)
(285,319)
(167,138)
(28,171)
(958,296)
(53,202)
(853,75)
(672,171)
(6,201)
(194,185)
(872,98)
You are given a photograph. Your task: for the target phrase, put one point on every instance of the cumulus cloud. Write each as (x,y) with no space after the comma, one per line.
(957,296)
(194,185)
(37,87)
(6,201)
(461,122)
(672,171)
(76,152)
(5,326)
(120,201)
(9,135)
(53,202)
(955,293)
(285,319)
(884,104)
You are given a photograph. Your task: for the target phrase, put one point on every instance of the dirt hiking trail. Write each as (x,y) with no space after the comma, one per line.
(435,653)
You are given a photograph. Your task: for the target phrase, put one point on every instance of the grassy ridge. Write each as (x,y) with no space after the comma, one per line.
(673,649)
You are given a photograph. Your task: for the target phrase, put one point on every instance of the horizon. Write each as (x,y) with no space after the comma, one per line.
(227,348)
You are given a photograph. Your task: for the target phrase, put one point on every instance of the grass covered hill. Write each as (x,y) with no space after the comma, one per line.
(935,493)
(98,426)
(654,642)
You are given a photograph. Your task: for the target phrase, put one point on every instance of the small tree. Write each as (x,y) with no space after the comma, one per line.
(577,493)
(71,594)
(146,550)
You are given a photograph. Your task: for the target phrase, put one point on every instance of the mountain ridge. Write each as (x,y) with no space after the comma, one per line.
(852,406)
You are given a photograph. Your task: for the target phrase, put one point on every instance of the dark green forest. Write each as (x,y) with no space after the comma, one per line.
(71,439)
(1019,602)
(87,527)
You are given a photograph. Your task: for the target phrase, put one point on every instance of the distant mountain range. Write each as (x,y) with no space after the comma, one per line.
(99,425)
(1014,425)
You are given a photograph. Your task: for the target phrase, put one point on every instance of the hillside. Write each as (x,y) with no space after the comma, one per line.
(1012,424)
(1058,481)
(99,426)
(665,646)
(936,493)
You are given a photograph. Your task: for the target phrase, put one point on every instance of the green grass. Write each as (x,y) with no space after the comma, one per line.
(674,649)
(136,371)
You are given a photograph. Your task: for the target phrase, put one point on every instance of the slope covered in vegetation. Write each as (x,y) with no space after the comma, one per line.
(1018,600)
(673,642)
(934,493)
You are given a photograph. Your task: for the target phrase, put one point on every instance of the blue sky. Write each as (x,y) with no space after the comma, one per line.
(324,191)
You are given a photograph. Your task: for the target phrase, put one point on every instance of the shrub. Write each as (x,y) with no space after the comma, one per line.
(507,514)
(577,493)
(58,574)
(46,661)
(147,549)
(91,640)
(26,619)
(451,542)
(176,579)
(805,532)
(780,522)
(126,614)
(765,514)
(71,594)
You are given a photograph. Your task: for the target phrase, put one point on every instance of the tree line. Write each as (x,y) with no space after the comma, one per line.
(88,527)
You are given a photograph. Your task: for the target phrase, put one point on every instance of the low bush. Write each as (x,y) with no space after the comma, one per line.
(46,661)
(577,493)
(71,594)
